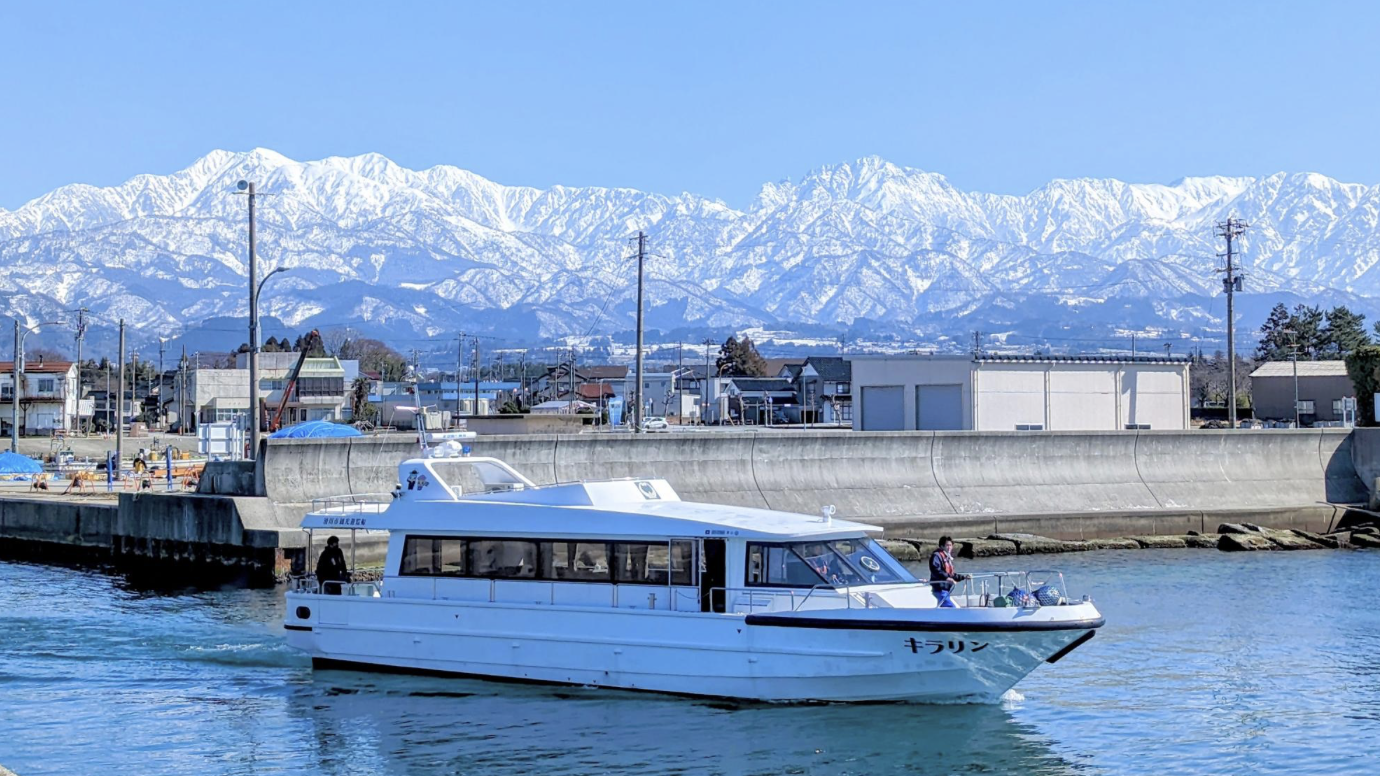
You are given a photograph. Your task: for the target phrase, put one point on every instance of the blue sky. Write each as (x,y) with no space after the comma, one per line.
(713,98)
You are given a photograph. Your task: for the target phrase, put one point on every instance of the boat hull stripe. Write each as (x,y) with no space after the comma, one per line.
(833,623)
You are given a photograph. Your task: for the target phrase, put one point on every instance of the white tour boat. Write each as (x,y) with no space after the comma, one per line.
(621,584)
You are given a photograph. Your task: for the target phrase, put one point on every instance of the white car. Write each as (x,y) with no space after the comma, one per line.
(655,424)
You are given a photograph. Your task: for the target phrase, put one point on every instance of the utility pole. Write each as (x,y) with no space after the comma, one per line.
(158,411)
(1294,356)
(182,394)
(248,187)
(459,358)
(977,344)
(1231,229)
(637,389)
(81,334)
(107,391)
(120,405)
(14,394)
(1133,347)
(477,363)
(704,386)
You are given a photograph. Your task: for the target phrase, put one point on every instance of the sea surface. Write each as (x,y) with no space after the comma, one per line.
(1210,663)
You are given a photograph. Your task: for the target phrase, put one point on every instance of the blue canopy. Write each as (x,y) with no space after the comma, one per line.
(14,463)
(314,429)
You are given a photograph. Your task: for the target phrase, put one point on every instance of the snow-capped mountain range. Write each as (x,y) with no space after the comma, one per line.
(867,246)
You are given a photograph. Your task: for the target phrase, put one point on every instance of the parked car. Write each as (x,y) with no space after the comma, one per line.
(655,424)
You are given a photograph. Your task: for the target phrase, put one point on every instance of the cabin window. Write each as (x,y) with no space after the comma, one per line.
(661,563)
(840,562)
(577,561)
(503,558)
(555,560)
(433,556)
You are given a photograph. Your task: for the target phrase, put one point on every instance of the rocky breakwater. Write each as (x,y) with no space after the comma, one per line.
(1230,537)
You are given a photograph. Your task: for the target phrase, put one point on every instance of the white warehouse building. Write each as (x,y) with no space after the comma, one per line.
(1018,393)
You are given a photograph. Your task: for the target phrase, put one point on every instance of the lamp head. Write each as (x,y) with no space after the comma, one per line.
(242,185)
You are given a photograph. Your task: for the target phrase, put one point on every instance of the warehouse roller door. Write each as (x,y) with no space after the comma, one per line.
(939,407)
(883,408)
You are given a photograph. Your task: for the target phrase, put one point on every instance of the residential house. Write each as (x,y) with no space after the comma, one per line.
(824,389)
(49,399)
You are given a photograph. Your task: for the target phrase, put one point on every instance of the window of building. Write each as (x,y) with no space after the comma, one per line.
(842,388)
(7,392)
(47,385)
(1336,407)
(1306,407)
(1030,427)
(321,386)
(1137,426)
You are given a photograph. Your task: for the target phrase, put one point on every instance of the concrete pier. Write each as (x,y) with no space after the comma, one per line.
(243,521)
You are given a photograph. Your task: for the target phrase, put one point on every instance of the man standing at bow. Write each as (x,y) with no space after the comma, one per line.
(942,574)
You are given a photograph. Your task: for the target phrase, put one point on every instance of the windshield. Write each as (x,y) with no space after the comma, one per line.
(840,563)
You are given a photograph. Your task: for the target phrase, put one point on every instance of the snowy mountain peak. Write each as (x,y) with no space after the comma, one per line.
(376,244)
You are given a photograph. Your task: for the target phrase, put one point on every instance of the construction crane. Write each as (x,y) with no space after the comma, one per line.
(313,340)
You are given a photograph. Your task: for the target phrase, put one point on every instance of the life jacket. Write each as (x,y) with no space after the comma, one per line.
(947,561)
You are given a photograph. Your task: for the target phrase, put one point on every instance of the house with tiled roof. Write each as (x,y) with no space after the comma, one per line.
(49,396)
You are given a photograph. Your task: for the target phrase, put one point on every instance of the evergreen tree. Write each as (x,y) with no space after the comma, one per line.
(739,358)
(1345,332)
(1276,337)
(1308,323)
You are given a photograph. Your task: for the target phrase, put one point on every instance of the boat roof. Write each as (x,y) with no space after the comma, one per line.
(608,509)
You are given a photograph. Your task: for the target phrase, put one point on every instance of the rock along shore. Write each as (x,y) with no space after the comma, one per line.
(1230,537)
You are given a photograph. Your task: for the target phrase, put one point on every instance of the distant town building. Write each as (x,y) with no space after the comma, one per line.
(1018,393)
(824,389)
(49,402)
(1322,386)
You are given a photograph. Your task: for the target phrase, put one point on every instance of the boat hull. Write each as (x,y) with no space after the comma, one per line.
(699,654)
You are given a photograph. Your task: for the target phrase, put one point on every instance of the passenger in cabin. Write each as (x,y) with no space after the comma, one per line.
(330,567)
(942,574)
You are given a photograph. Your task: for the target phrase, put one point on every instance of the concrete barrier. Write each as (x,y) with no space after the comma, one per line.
(717,468)
(1235,469)
(1040,472)
(1165,480)
(877,475)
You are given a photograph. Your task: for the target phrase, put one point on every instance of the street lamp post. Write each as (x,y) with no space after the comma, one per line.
(20,332)
(247,188)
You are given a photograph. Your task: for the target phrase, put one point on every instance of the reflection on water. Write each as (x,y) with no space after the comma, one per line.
(1209,664)
(415,725)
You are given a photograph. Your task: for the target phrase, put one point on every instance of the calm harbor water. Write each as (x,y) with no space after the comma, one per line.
(1210,663)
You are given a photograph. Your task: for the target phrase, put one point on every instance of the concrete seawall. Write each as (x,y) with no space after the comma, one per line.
(1071,484)
(244,520)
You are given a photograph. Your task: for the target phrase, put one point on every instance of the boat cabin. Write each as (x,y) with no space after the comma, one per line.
(474,529)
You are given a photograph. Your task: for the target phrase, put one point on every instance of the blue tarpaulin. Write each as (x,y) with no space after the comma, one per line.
(14,463)
(313,429)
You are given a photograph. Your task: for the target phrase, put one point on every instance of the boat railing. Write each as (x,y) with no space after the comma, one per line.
(353,503)
(749,600)
(310,584)
(985,588)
